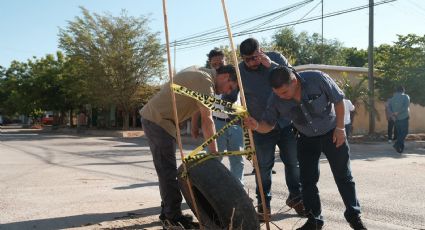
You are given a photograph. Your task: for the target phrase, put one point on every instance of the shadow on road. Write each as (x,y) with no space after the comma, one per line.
(133,186)
(91,220)
(80,220)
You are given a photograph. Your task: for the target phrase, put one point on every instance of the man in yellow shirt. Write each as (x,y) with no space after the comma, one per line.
(159,127)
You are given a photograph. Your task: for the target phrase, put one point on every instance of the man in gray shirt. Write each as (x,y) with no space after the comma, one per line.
(399,107)
(255,69)
(307,98)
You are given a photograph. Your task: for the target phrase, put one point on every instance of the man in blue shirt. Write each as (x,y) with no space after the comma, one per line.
(306,98)
(255,69)
(399,107)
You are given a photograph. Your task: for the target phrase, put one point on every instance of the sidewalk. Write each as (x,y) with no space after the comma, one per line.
(136,133)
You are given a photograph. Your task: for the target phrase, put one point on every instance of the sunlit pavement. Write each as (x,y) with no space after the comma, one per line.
(57,181)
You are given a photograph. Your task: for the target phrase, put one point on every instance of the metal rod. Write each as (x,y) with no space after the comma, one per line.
(370,72)
(242,96)
(176,118)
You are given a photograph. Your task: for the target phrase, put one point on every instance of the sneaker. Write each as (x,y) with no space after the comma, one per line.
(390,141)
(297,204)
(178,222)
(356,223)
(311,225)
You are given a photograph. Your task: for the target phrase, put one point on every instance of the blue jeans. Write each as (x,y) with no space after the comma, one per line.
(402,129)
(231,140)
(391,129)
(309,151)
(265,145)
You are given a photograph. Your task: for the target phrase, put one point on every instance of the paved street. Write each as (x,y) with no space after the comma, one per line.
(59,181)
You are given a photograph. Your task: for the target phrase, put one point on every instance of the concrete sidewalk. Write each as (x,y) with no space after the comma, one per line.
(136,133)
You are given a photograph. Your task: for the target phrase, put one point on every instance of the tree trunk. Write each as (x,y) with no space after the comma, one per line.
(62,118)
(71,121)
(134,119)
(126,120)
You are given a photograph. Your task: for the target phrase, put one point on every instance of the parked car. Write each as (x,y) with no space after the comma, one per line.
(47,119)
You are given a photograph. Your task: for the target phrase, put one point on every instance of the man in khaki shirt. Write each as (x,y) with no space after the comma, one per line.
(159,127)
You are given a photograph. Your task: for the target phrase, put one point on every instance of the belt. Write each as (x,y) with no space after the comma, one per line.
(222,119)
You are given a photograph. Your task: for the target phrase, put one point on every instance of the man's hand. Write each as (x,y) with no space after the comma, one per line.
(214,153)
(395,114)
(264,59)
(339,137)
(250,123)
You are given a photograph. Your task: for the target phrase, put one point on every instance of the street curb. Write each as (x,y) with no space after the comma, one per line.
(115,133)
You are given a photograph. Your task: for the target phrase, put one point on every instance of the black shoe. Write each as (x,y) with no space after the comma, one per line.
(178,222)
(260,213)
(253,171)
(356,223)
(311,225)
(398,149)
(297,204)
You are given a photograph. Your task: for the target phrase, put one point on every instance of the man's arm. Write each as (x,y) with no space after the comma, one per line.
(278,58)
(261,127)
(352,107)
(208,128)
(339,133)
(406,103)
(194,130)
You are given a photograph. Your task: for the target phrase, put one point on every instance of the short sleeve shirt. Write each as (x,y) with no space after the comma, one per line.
(159,109)
(313,115)
(349,107)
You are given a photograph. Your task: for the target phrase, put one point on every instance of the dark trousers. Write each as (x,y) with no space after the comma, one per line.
(163,148)
(309,151)
(402,129)
(392,129)
(265,145)
(348,130)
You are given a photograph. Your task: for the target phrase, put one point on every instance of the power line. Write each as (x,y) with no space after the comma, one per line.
(209,43)
(242,22)
(417,5)
(203,41)
(275,18)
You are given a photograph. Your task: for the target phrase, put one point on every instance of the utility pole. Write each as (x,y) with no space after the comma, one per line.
(322,49)
(175,51)
(370,72)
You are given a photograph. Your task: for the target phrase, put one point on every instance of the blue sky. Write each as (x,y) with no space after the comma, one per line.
(29,28)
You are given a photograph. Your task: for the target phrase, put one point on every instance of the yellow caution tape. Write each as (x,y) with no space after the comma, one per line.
(196,156)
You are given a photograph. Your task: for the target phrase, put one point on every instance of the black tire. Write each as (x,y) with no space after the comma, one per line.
(217,193)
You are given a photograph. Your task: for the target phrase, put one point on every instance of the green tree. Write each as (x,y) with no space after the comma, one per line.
(40,84)
(18,90)
(402,64)
(59,87)
(355,57)
(3,90)
(357,93)
(117,55)
(303,48)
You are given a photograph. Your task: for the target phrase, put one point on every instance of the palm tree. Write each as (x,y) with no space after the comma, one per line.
(357,93)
